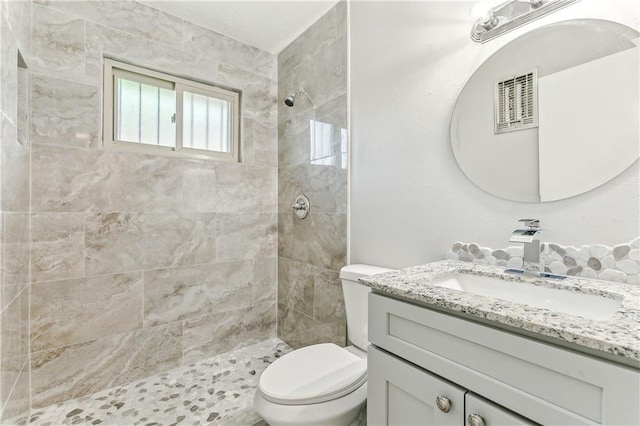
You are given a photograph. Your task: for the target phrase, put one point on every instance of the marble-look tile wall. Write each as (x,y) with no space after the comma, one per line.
(141,263)
(14,212)
(312,152)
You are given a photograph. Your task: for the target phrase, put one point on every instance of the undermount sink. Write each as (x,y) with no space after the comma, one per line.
(557,300)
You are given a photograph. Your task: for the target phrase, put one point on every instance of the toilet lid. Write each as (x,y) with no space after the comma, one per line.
(313,374)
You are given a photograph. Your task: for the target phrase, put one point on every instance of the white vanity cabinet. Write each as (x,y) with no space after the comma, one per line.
(421,354)
(401,394)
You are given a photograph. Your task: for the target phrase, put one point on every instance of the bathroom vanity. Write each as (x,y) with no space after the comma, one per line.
(447,356)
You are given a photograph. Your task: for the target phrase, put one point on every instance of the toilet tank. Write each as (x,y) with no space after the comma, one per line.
(355,301)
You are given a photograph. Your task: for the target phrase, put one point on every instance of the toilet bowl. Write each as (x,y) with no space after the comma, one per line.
(322,384)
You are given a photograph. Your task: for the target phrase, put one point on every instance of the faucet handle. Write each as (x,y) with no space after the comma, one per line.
(531,223)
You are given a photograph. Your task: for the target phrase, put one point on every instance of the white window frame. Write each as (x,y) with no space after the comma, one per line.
(113,69)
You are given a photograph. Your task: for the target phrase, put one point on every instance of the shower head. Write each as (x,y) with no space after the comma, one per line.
(290,100)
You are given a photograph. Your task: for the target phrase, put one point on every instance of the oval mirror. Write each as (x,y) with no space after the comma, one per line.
(552,114)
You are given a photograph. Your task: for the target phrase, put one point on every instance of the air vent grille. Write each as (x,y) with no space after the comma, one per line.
(516,102)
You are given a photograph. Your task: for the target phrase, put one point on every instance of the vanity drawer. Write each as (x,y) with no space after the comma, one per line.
(548,384)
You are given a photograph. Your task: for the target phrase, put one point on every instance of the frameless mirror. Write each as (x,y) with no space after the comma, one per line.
(552,114)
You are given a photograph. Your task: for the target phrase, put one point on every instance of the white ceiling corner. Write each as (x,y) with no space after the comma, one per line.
(265,24)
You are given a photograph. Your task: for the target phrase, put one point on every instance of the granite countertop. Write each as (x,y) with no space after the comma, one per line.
(617,339)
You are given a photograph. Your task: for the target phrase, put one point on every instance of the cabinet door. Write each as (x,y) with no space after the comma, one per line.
(399,393)
(489,414)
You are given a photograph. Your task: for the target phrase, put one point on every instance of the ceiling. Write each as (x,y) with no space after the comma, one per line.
(268,25)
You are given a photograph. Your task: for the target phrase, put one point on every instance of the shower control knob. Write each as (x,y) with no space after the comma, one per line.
(475,420)
(443,403)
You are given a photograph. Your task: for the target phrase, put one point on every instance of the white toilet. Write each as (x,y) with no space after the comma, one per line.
(322,384)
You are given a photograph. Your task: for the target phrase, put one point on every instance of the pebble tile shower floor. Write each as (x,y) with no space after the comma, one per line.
(217,391)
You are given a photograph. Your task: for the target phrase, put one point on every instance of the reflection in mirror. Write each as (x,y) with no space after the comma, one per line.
(580,80)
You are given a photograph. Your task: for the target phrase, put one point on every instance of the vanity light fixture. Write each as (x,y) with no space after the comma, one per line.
(511,15)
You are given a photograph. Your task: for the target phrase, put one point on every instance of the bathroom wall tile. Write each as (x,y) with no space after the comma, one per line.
(228,52)
(118,242)
(15,254)
(324,76)
(102,41)
(245,188)
(229,187)
(129,16)
(14,169)
(57,248)
(67,179)
(294,137)
(259,94)
(245,236)
(18,15)
(68,312)
(8,72)
(315,38)
(295,285)
(57,44)
(316,181)
(24,106)
(319,239)
(16,408)
(73,371)
(64,112)
(199,190)
(260,143)
(195,291)
(265,279)
(299,330)
(14,342)
(328,297)
(214,334)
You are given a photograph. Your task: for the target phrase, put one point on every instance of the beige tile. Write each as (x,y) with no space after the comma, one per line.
(16,408)
(316,181)
(214,334)
(64,112)
(328,297)
(260,143)
(68,312)
(57,44)
(57,248)
(118,242)
(74,371)
(103,41)
(241,188)
(8,72)
(129,16)
(246,236)
(24,106)
(14,169)
(319,239)
(299,330)
(14,342)
(295,285)
(14,264)
(319,35)
(265,279)
(195,291)
(228,52)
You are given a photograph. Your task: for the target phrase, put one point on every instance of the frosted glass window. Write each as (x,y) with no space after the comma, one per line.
(206,122)
(145,113)
(147,110)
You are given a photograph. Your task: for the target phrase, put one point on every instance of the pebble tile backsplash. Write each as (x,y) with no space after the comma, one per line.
(620,263)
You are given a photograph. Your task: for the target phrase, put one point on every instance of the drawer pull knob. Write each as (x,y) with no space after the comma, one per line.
(443,403)
(475,420)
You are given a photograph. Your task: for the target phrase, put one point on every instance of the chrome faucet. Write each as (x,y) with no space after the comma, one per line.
(529,237)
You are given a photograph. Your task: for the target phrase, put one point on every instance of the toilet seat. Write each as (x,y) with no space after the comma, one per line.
(313,374)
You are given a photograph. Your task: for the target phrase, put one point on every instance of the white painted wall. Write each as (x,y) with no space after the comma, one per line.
(409,199)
